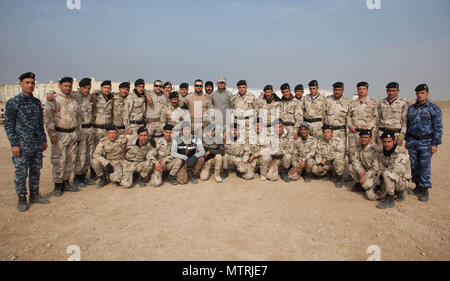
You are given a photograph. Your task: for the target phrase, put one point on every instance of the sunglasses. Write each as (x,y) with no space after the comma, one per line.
(198,85)
(159,86)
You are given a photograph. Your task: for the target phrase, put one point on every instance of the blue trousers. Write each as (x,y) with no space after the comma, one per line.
(420,156)
(29,163)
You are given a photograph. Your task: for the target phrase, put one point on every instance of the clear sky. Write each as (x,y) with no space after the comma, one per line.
(264,42)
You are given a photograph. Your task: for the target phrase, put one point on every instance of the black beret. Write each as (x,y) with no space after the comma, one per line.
(66,80)
(338,85)
(362,83)
(168,127)
(105,83)
(277,121)
(209,83)
(422,87)
(241,82)
(285,86)
(173,95)
(298,87)
(139,82)
(27,75)
(365,132)
(111,127)
(85,82)
(167,84)
(386,135)
(267,88)
(142,129)
(313,83)
(391,85)
(184,85)
(124,85)
(235,125)
(327,127)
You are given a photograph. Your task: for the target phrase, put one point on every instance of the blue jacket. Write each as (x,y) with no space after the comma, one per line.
(423,120)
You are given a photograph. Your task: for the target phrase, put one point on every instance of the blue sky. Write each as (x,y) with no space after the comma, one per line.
(264,42)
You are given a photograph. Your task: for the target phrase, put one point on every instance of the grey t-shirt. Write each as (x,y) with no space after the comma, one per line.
(221,101)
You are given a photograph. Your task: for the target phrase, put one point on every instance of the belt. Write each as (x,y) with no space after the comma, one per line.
(129,160)
(386,130)
(152,120)
(85,126)
(289,124)
(312,120)
(338,127)
(430,136)
(64,130)
(120,127)
(137,122)
(359,129)
(99,126)
(157,136)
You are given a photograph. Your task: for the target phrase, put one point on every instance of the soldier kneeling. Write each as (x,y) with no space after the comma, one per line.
(394,172)
(304,152)
(281,156)
(108,155)
(214,153)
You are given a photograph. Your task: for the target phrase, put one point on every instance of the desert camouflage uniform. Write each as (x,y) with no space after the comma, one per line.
(153,114)
(134,113)
(63,114)
(331,154)
(214,158)
(395,171)
(282,151)
(173,116)
(137,160)
(244,110)
(202,117)
(291,114)
(304,150)
(336,116)
(119,112)
(365,160)
(392,117)
(172,165)
(362,115)
(183,100)
(85,147)
(314,113)
(260,148)
(236,152)
(102,115)
(108,152)
(268,111)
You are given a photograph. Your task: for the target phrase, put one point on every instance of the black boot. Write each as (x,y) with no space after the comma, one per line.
(93,175)
(349,179)
(224,174)
(357,188)
(326,177)
(415,191)
(388,202)
(307,177)
(22,205)
(78,181)
(103,181)
(140,181)
(87,180)
(284,174)
(399,196)
(172,180)
(338,181)
(239,175)
(36,198)
(423,196)
(192,178)
(68,187)
(58,189)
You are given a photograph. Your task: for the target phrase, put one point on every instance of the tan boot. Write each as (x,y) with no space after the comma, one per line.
(217,176)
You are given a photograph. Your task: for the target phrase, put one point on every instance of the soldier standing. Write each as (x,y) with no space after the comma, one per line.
(336,112)
(167,89)
(209,88)
(330,155)
(139,159)
(63,122)
(392,114)
(135,105)
(157,100)
(298,92)
(103,111)
(313,106)
(364,168)
(268,105)
(172,113)
(198,105)
(119,107)
(24,127)
(108,156)
(303,155)
(244,105)
(164,161)
(291,110)
(394,171)
(423,135)
(362,114)
(184,95)
(220,99)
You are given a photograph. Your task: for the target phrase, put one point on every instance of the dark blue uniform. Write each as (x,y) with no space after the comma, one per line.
(423,130)
(24,127)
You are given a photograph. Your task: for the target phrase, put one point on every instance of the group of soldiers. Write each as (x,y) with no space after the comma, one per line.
(144,136)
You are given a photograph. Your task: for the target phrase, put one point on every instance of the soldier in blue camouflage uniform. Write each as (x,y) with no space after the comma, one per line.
(24,127)
(423,135)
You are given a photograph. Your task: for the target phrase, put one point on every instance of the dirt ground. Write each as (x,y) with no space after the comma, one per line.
(234,220)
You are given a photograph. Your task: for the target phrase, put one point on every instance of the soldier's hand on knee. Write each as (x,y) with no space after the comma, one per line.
(302,165)
(362,180)
(16,151)
(110,168)
(433,149)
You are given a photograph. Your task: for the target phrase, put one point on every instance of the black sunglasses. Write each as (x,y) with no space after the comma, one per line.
(198,85)
(159,86)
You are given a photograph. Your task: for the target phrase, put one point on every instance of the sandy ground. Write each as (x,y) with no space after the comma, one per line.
(234,220)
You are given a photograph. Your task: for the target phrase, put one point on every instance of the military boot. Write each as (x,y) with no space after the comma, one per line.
(68,187)
(338,181)
(58,191)
(224,174)
(192,177)
(284,174)
(348,179)
(140,181)
(93,175)
(172,179)
(388,202)
(22,205)
(326,177)
(78,181)
(399,196)
(36,198)
(415,191)
(423,196)
(307,177)
(357,188)
(87,180)
(103,181)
